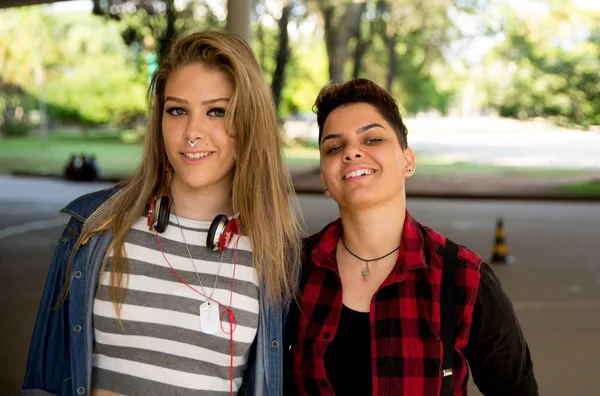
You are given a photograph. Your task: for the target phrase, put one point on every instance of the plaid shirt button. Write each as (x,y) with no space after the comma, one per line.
(323,383)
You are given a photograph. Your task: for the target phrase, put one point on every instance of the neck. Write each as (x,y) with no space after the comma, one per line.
(373,232)
(201,204)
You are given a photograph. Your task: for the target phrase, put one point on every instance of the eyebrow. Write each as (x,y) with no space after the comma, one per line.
(204,102)
(360,130)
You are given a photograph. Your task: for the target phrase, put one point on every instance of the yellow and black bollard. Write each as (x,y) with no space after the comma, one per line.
(500,249)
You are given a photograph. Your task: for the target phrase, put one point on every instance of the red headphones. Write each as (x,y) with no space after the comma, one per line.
(219,234)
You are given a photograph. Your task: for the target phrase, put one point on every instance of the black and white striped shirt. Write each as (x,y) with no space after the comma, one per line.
(158,347)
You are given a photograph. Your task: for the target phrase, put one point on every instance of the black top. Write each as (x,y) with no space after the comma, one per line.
(348,356)
(497,353)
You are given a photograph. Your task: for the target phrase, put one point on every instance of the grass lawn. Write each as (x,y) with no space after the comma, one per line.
(428,165)
(118,158)
(32,155)
(589,188)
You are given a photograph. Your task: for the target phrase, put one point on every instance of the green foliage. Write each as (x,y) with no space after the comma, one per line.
(86,81)
(145,24)
(550,68)
(265,45)
(15,129)
(99,91)
(94,69)
(305,75)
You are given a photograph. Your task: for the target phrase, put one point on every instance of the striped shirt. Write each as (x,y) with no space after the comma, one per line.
(158,347)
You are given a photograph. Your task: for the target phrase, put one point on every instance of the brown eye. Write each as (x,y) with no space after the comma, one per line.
(216,112)
(175,111)
(334,149)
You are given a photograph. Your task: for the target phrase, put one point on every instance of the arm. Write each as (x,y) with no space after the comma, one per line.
(497,352)
(48,369)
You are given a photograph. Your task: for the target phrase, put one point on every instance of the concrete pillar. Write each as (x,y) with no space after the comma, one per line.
(239,13)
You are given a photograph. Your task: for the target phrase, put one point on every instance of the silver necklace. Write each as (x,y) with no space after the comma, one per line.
(192,259)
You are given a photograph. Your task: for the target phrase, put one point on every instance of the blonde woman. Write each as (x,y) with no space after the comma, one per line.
(174,281)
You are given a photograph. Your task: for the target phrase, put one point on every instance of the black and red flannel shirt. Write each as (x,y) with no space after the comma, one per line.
(406,347)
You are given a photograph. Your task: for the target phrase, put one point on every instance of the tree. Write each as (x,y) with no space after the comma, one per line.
(547,66)
(85,81)
(160,20)
(340,22)
(271,40)
(362,42)
(417,33)
(283,53)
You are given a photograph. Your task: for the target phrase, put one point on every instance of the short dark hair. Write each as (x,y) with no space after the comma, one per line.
(360,90)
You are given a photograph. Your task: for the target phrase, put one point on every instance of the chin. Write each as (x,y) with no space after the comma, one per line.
(358,199)
(195,182)
(369,198)
(198,182)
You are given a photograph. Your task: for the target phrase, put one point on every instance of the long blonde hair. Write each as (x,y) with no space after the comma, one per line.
(262,192)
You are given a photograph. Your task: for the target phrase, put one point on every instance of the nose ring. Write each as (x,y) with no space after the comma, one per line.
(192,144)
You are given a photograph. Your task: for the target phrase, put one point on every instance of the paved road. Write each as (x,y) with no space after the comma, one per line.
(495,141)
(505,142)
(554,282)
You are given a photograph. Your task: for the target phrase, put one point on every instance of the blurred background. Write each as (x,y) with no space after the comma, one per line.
(501,99)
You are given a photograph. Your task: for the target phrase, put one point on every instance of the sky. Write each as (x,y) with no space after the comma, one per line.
(588,4)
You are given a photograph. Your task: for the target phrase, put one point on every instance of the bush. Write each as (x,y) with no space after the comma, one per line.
(16,129)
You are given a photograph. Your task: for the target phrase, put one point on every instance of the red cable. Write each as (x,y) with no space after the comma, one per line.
(230,314)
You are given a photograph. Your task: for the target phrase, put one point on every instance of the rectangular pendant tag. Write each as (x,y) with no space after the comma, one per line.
(209,317)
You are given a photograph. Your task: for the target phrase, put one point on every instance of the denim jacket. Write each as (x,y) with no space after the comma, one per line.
(60,354)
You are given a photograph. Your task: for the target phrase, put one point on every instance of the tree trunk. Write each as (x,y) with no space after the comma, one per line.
(391,38)
(165,41)
(393,62)
(283,54)
(260,38)
(338,31)
(361,44)
(238,18)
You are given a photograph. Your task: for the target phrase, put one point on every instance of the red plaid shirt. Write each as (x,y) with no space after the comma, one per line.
(406,348)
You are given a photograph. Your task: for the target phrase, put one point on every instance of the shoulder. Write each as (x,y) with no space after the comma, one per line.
(82,207)
(309,243)
(436,242)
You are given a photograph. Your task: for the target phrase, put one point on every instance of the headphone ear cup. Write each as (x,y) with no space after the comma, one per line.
(215,232)
(164,210)
(230,230)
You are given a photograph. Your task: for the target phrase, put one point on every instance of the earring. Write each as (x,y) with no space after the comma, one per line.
(326,191)
(169,176)
(410,170)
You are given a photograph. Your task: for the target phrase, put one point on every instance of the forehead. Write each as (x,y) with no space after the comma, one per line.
(196,81)
(351,117)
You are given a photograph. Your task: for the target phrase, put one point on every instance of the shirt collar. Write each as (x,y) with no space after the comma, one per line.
(411,254)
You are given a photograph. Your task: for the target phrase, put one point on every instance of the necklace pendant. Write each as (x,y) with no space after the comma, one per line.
(365,272)
(209,317)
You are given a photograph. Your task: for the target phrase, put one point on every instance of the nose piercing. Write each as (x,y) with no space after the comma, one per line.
(192,144)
